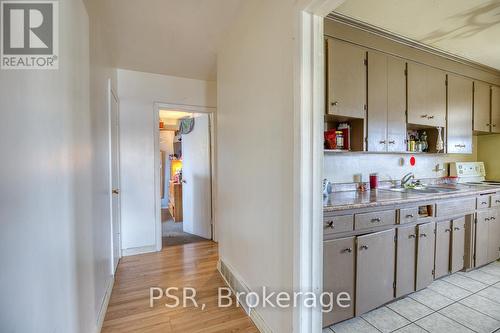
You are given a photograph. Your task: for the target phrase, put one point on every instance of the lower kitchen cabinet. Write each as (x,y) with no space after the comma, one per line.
(375,270)
(339,275)
(494,237)
(443,239)
(406,247)
(425,255)
(457,244)
(482,236)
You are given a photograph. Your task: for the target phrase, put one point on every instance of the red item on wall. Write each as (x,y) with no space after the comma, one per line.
(413,161)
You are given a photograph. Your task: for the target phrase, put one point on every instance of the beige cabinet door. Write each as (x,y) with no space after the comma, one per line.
(459,128)
(425,255)
(339,276)
(377,102)
(426,95)
(481,243)
(346,79)
(396,105)
(442,258)
(495,109)
(494,237)
(375,270)
(406,248)
(481,106)
(457,244)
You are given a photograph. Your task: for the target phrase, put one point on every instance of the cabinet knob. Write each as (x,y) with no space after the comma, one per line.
(456,228)
(497,201)
(430,117)
(409,216)
(486,218)
(494,125)
(363,247)
(348,250)
(392,142)
(382,142)
(423,235)
(447,230)
(412,236)
(330,225)
(377,219)
(335,103)
(493,218)
(484,203)
(488,124)
(424,116)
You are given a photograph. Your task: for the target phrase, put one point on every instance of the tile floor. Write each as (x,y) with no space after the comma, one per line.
(462,302)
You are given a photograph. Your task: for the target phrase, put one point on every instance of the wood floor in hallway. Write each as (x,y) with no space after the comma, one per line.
(191,265)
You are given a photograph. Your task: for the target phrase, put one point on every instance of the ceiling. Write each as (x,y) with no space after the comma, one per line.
(170,37)
(466,28)
(174,115)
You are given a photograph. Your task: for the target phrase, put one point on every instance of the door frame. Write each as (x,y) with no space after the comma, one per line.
(157,179)
(309,110)
(111,93)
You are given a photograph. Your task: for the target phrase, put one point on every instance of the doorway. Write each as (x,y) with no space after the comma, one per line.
(184,179)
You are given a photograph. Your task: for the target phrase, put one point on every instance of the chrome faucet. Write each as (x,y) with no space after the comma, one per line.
(407,178)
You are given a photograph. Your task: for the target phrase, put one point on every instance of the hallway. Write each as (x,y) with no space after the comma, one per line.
(191,265)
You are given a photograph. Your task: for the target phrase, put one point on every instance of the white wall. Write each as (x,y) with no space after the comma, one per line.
(137,93)
(54,240)
(255,136)
(340,168)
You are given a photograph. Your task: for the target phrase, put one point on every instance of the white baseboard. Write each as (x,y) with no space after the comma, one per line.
(105,303)
(139,250)
(235,282)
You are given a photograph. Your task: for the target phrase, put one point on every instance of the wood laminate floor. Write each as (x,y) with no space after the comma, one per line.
(191,265)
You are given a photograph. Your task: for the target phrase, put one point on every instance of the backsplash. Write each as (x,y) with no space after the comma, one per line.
(341,167)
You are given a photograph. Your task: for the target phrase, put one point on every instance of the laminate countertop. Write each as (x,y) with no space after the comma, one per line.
(374,198)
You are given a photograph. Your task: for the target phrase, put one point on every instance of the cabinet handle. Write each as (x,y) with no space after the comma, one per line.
(424,116)
(430,117)
(377,219)
(423,235)
(493,218)
(412,236)
(484,203)
(382,142)
(335,103)
(494,125)
(447,230)
(456,228)
(348,250)
(497,201)
(487,219)
(460,146)
(331,225)
(392,142)
(363,247)
(488,124)
(409,216)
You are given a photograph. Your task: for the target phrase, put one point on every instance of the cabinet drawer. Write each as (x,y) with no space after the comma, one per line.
(336,224)
(483,202)
(455,207)
(495,200)
(374,219)
(408,215)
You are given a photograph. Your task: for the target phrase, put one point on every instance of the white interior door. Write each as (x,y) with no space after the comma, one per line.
(114,142)
(196,179)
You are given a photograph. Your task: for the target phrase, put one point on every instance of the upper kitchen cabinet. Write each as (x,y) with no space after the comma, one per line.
(346,79)
(481,106)
(459,127)
(495,109)
(426,96)
(386,123)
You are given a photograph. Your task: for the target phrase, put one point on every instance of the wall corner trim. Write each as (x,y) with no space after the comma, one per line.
(104,305)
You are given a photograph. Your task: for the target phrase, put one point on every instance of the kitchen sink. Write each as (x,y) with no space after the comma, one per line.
(424,190)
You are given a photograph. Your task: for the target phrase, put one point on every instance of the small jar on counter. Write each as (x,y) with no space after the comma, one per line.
(373,181)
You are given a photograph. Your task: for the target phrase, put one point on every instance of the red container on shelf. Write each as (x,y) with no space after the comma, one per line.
(330,139)
(373,180)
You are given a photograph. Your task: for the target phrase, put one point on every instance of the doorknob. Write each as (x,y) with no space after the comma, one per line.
(116,191)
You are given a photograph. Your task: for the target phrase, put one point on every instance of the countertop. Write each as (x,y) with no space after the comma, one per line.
(374,198)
